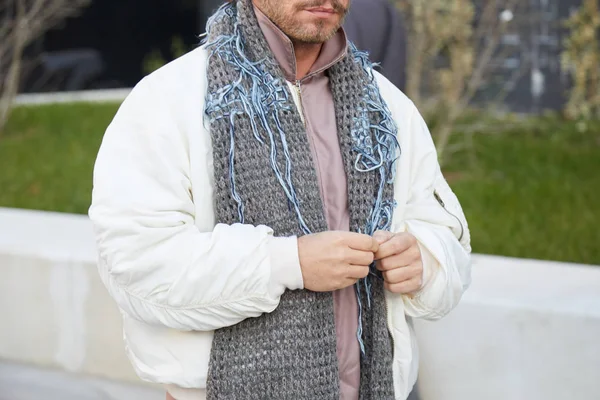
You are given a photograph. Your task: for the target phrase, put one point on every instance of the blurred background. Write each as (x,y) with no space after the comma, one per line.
(510,90)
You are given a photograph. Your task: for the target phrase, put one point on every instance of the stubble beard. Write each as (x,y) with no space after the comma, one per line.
(315,33)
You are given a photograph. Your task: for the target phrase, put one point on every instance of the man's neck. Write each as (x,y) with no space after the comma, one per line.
(306,56)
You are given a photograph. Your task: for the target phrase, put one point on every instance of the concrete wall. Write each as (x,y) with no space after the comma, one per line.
(524,330)
(91,96)
(54,310)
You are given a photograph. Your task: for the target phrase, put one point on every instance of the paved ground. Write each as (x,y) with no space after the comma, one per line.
(18,382)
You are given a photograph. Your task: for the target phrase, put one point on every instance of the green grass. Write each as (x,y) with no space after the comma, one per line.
(47,155)
(530,191)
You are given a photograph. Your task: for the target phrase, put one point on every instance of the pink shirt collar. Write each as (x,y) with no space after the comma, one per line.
(332,51)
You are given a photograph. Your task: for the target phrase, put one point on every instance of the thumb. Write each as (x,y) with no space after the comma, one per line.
(382,236)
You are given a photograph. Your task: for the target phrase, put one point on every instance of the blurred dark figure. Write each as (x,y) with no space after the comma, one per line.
(377,26)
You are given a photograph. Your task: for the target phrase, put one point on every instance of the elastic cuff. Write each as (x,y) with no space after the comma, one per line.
(285,262)
(179,393)
(431,266)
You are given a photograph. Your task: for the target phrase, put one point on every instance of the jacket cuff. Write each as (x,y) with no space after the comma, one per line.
(431,267)
(285,262)
(179,393)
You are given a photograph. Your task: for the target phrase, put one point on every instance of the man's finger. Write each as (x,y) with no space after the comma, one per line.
(361,258)
(407,257)
(399,275)
(406,287)
(357,272)
(393,262)
(358,241)
(382,236)
(396,245)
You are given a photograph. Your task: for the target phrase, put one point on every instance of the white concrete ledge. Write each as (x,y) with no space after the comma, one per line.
(54,310)
(572,289)
(88,96)
(525,330)
(46,235)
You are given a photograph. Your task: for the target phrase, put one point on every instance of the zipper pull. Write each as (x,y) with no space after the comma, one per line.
(438,198)
(300,106)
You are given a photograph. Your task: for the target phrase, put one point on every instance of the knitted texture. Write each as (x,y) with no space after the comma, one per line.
(265,175)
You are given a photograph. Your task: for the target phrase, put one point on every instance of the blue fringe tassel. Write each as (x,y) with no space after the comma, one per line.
(380,156)
(262,104)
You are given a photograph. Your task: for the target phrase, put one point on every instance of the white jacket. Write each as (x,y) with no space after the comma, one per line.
(177,277)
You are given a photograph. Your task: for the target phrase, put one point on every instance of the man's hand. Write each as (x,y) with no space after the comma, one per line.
(335,260)
(399,258)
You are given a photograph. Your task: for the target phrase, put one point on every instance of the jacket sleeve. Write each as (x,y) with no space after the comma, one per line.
(156,263)
(434,216)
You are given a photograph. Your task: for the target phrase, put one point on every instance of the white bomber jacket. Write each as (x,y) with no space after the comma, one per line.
(177,277)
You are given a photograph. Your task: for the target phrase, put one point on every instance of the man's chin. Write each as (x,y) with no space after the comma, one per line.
(318,36)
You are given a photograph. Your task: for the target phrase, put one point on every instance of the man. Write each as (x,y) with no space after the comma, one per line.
(377,27)
(241,195)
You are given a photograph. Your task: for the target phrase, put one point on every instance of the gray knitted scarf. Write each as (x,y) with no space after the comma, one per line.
(264,175)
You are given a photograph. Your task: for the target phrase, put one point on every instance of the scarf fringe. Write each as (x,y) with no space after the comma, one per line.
(376,145)
(381,157)
(262,104)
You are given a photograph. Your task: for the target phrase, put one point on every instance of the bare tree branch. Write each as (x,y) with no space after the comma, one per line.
(485,57)
(23,21)
(512,81)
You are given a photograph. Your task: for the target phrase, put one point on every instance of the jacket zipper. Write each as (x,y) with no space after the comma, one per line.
(298,87)
(439,200)
(391,331)
(389,321)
